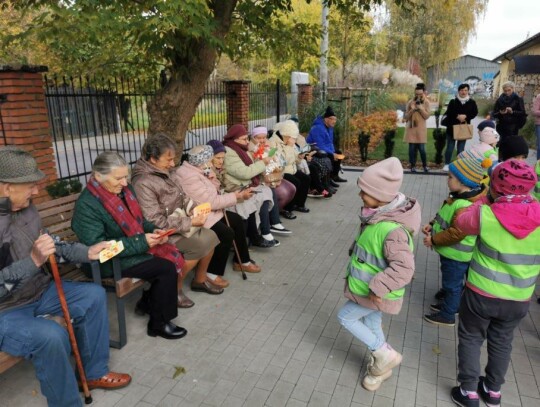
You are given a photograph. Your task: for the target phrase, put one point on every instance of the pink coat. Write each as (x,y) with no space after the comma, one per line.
(400,260)
(204,189)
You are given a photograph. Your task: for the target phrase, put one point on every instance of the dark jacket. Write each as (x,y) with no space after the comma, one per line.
(516,118)
(21,281)
(92,224)
(455,108)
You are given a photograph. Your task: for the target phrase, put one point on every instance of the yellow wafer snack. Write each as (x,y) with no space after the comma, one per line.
(202,209)
(106,254)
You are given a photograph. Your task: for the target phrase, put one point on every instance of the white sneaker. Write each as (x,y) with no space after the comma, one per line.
(445,168)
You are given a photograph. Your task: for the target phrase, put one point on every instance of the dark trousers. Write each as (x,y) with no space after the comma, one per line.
(161,299)
(507,129)
(450,145)
(453,275)
(413,149)
(267,216)
(336,164)
(227,235)
(251,226)
(301,181)
(482,318)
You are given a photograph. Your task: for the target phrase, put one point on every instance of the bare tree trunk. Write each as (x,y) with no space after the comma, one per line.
(174,106)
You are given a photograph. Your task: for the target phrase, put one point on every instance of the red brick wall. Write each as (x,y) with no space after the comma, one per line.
(26,125)
(305,97)
(237,102)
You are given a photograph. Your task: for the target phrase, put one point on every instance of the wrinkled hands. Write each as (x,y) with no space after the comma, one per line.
(93,251)
(244,195)
(198,220)
(153,239)
(42,248)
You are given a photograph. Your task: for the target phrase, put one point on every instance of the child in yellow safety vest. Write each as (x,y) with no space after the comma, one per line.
(500,281)
(454,247)
(381,264)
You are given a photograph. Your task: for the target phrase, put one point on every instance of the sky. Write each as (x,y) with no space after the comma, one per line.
(505,24)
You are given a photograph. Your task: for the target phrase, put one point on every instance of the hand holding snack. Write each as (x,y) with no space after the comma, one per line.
(115,248)
(95,250)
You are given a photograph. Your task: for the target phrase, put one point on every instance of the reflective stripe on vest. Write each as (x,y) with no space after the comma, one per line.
(461,251)
(510,274)
(368,259)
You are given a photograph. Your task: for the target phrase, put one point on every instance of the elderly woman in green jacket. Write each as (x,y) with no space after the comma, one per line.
(107,209)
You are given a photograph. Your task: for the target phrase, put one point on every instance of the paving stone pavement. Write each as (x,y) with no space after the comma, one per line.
(274,340)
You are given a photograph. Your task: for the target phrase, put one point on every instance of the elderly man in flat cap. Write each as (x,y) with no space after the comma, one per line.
(30,314)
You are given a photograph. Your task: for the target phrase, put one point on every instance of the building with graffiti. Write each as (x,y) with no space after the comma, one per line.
(479,73)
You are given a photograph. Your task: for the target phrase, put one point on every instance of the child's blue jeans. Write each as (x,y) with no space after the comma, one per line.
(453,275)
(364,323)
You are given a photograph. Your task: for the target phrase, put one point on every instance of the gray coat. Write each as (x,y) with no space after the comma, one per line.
(21,281)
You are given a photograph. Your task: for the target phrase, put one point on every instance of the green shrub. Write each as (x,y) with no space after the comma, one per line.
(64,187)
(528,131)
(439,136)
(485,106)
(389,143)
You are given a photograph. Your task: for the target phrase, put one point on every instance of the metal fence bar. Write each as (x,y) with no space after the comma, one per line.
(90,115)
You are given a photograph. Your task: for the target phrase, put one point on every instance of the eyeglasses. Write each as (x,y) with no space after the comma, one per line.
(244,138)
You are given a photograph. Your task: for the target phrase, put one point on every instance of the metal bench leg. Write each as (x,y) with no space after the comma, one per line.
(122,332)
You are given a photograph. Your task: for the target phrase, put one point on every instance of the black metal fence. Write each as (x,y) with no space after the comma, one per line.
(88,116)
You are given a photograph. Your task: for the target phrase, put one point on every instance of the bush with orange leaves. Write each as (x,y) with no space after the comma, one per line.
(374,124)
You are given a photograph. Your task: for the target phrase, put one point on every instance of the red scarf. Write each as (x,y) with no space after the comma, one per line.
(241,150)
(130,219)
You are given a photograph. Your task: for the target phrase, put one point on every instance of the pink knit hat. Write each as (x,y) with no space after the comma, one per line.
(382,180)
(513,177)
(489,136)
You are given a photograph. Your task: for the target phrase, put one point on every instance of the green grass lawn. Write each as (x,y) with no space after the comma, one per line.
(401,149)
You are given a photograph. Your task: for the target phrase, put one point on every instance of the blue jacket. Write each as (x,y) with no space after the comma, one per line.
(322,135)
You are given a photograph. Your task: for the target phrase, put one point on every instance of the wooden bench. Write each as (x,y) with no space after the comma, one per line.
(56,219)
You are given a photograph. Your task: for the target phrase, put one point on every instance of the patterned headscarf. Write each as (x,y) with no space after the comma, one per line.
(200,155)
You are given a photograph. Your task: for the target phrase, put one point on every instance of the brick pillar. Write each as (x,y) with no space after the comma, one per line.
(305,97)
(24,117)
(237,102)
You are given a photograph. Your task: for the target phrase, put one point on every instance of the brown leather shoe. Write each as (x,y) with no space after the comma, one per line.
(250,268)
(111,380)
(184,301)
(206,287)
(218,282)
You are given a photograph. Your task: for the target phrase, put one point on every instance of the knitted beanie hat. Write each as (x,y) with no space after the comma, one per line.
(18,166)
(217,146)
(469,171)
(382,180)
(257,131)
(287,128)
(236,131)
(489,136)
(512,146)
(329,112)
(474,154)
(200,155)
(513,177)
(485,123)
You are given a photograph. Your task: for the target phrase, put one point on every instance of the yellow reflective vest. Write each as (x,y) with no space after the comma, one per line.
(368,258)
(502,265)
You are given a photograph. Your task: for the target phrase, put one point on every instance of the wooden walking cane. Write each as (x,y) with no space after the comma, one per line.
(244,277)
(69,326)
